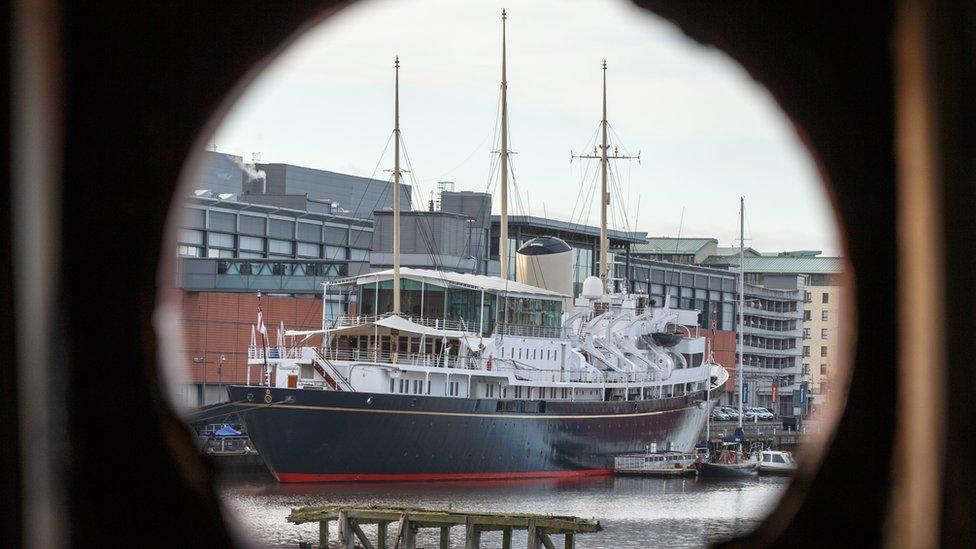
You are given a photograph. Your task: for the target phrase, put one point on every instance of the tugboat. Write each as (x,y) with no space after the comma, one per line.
(436,375)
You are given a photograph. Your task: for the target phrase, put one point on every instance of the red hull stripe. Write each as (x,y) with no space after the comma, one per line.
(345,477)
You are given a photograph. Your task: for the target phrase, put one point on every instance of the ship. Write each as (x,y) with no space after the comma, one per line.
(428,374)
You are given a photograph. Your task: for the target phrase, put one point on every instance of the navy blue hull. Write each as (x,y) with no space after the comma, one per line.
(309,436)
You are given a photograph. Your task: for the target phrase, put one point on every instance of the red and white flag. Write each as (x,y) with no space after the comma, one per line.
(261,327)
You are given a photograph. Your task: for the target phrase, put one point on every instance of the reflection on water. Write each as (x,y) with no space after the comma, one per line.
(634,511)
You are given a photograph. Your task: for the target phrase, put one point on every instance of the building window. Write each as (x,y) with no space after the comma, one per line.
(358,255)
(253,243)
(823,369)
(806,333)
(825,298)
(220,239)
(309,250)
(823,315)
(806,350)
(392,385)
(823,351)
(806,315)
(823,333)
(189,236)
(282,247)
(334,252)
(214,252)
(189,251)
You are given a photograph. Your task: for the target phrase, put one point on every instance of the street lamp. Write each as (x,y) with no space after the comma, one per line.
(220,367)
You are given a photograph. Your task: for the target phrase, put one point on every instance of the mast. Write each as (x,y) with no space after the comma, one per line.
(604,197)
(605,157)
(396,189)
(503,221)
(742,291)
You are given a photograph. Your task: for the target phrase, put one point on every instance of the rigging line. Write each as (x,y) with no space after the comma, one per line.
(495,160)
(619,141)
(620,203)
(584,172)
(584,168)
(193,419)
(372,176)
(677,242)
(423,223)
(465,161)
(589,201)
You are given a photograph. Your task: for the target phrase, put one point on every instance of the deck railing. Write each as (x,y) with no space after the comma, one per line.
(521,371)
(520,330)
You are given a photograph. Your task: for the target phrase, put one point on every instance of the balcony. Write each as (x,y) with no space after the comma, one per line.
(766,313)
(750,349)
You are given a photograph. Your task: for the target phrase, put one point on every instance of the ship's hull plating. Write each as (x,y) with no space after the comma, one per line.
(318,436)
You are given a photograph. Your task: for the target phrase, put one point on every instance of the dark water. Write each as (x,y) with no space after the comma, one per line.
(634,511)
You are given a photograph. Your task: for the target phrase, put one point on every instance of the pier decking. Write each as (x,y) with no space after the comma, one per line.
(407,521)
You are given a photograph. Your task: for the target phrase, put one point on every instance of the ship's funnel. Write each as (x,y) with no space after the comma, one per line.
(546,262)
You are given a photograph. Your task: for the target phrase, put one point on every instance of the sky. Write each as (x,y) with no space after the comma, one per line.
(705,131)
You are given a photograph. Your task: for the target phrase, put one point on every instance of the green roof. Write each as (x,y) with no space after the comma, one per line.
(804,264)
(665,245)
(734,250)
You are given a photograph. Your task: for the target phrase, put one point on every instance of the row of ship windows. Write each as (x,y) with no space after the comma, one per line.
(491,390)
(418,386)
(531,354)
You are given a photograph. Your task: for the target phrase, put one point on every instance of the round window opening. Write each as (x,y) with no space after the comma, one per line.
(560,256)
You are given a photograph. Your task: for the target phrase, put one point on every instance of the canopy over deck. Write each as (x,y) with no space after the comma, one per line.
(491,284)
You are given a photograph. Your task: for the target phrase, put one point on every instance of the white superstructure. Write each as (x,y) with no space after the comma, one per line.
(605,348)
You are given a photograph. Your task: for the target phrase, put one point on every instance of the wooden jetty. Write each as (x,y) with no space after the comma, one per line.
(406,522)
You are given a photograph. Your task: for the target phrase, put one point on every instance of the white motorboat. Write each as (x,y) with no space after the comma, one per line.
(775,462)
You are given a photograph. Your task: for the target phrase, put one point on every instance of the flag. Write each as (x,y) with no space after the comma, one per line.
(261,327)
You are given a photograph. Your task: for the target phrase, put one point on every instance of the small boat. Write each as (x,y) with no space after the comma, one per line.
(663,464)
(731,463)
(775,462)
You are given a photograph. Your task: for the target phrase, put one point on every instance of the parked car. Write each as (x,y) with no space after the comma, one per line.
(719,415)
(730,411)
(762,413)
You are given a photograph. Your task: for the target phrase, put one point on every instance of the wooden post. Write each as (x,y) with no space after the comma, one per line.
(401,526)
(472,536)
(532,538)
(507,538)
(445,537)
(323,534)
(361,535)
(545,539)
(346,538)
(410,536)
(381,535)
(570,541)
